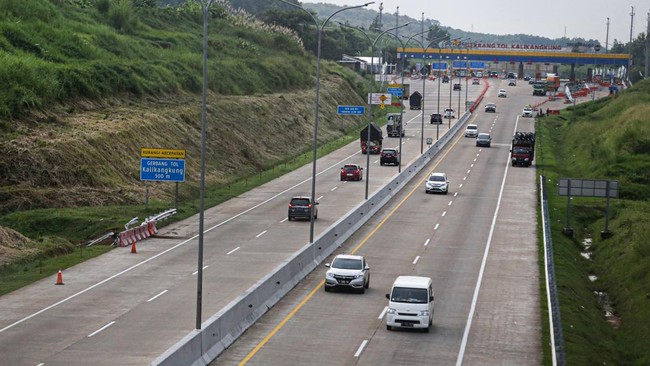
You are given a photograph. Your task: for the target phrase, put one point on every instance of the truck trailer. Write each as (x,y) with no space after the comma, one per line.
(523,148)
(372,144)
(394,125)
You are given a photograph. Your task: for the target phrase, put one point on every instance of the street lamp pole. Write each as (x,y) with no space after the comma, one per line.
(320,27)
(205,4)
(372,87)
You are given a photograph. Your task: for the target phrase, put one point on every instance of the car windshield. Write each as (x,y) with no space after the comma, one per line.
(470,127)
(520,150)
(483,137)
(350,167)
(409,295)
(300,201)
(436,178)
(347,263)
(389,151)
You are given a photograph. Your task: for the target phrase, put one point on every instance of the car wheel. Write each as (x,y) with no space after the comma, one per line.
(290,218)
(327,289)
(388,327)
(363,290)
(447,191)
(380,163)
(425,330)
(368,283)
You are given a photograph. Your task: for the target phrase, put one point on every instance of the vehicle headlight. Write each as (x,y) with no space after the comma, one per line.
(526,159)
(391,311)
(424,313)
(329,274)
(358,276)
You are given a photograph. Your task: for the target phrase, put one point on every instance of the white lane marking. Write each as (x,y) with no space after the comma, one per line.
(285,219)
(100,329)
(333,189)
(40,364)
(232,251)
(428,240)
(455,194)
(361,347)
(471,165)
(465,178)
(375,162)
(337,164)
(444,213)
(195,272)
(416,259)
(260,234)
(318,199)
(450,203)
(477,289)
(469,170)
(461,185)
(436,227)
(474,159)
(383,312)
(478,154)
(155,297)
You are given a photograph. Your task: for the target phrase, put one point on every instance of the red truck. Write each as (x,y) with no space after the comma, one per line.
(371,139)
(523,148)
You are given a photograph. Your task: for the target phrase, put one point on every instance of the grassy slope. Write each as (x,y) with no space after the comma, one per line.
(606,139)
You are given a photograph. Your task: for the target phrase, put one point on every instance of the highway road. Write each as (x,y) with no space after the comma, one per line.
(127,309)
(478,244)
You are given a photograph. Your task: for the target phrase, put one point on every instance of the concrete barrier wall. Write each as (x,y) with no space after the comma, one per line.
(201,347)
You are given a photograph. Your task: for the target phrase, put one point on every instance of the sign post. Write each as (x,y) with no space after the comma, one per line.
(162,165)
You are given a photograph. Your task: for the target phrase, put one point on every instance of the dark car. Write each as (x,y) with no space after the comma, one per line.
(445,79)
(457,86)
(436,118)
(491,107)
(389,156)
(300,208)
(483,139)
(351,172)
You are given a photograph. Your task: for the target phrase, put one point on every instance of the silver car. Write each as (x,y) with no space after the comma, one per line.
(348,271)
(437,182)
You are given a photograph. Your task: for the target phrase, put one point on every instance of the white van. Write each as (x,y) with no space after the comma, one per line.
(410,303)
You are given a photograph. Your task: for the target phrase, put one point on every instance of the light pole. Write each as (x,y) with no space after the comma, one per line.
(205,4)
(372,87)
(467,69)
(320,27)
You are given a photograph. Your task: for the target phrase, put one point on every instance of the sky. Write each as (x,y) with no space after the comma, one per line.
(549,18)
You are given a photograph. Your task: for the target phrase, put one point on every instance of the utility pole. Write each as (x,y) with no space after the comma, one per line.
(607,36)
(629,45)
(647,47)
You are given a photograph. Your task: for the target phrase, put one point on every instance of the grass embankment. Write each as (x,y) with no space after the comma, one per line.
(83,95)
(607,139)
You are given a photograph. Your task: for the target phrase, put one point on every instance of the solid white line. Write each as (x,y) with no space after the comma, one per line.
(155,297)
(260,234)
(416,259)
(361,347)
(285,219)
(318,199)
(444,213)
(100,329)
(477,289)
(383,312)
(450,203)
(436,227)
(333,189)
(196,272)
(232,251)
(428,240)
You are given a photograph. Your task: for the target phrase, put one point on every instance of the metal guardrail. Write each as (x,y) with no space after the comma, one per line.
(555,321)
(158,217)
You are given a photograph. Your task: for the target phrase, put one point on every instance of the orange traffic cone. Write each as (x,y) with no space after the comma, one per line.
(59,278)
(133,248)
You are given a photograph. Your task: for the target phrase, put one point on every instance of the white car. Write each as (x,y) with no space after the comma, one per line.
(449,113)
(527,112)
(471,130)
(502,93)
(348,271)
(437,182)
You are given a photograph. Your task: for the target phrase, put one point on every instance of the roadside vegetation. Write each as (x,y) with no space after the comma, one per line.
(606,319)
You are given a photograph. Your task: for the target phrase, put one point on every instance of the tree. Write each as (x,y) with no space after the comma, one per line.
(376,25)
(437,33)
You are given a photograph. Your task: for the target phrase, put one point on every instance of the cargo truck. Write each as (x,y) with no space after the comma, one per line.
(394,126)
(415,101)
(552,82)
(539,89)
(372,144)
(523,148)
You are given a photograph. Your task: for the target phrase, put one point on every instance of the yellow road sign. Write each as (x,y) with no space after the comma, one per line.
(152,152)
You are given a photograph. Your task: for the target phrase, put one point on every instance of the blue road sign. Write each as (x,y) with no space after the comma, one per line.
(476,65)
(459,64)
(395,91)
(163,170)
(351,109)
(439,65)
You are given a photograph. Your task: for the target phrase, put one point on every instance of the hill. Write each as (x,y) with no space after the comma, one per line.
(88,84)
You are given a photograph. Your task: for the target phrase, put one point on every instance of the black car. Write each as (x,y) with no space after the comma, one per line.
(457,86)
(389,156)
(436,118)
(445,79)
(483,139)
(300,208)
(491,107)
